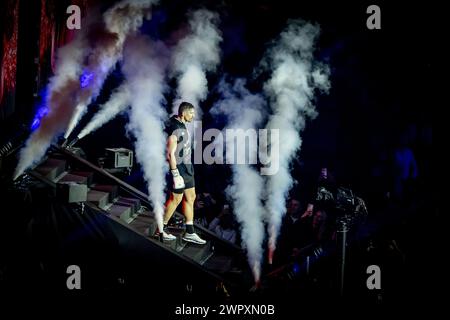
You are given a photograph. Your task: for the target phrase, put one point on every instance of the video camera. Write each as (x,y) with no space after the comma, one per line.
(343,202)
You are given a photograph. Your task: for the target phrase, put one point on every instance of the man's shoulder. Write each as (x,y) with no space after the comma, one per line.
(173,124)
(170,121)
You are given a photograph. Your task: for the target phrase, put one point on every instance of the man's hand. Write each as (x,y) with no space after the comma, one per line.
(308,212)
(178,181)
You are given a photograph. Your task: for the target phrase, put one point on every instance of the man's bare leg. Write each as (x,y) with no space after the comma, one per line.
(188,205)
(171,205)
(188,210)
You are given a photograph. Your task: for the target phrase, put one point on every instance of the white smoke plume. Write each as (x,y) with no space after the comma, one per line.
(295,76)
(61,90)
(94,51)
(144,67)
(107,41)
(194,55)
(244,110)
(118,102)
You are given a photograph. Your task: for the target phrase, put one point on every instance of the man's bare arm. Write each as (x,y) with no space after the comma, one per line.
(171,148)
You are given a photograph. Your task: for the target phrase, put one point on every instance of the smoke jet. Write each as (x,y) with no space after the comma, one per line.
(244,110)
(295,76)
(146,83)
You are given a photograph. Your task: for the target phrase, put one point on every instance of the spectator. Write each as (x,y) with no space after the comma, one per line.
(205,206)
(223,225)
(405,171)
(291,233)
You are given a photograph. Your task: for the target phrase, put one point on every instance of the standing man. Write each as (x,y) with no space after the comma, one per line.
(182,185)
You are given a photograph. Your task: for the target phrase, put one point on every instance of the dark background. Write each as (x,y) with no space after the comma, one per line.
(383,92)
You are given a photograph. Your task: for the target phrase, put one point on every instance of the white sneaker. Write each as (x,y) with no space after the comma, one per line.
(194,238)
(168,236)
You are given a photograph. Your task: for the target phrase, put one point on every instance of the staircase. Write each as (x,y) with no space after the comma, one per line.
(130,212)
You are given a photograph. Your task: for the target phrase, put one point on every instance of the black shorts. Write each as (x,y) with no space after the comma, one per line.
(188,177)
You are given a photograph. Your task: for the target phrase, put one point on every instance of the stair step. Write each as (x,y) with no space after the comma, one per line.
(134,203)
(219,263)
(99,198)
(178,244)
(147,226)
(141,224)
(51,168)
(71,192)
(69,177)
(122,212)
(112,190)
(198,252)
(87,174)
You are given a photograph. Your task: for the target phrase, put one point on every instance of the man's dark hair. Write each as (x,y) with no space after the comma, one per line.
(184,106)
